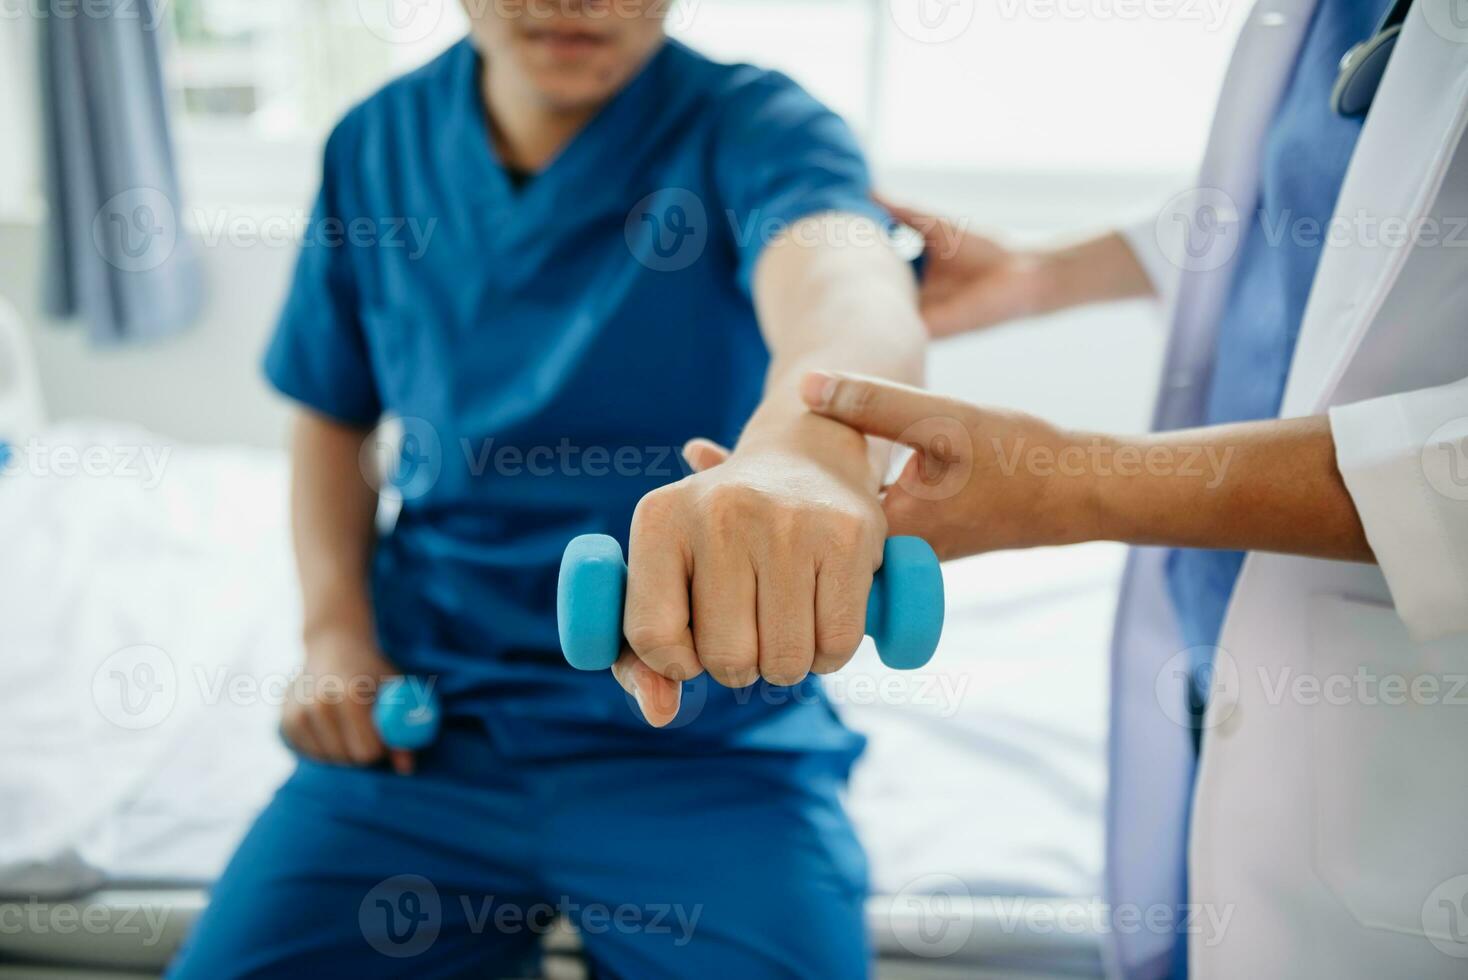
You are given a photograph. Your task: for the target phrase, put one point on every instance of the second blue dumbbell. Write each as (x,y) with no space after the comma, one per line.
(406,714)
(904,607)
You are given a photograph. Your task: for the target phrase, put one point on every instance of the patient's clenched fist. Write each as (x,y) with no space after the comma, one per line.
(327,715)
(757,568)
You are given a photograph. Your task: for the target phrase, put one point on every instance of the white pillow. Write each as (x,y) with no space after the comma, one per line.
(22,413)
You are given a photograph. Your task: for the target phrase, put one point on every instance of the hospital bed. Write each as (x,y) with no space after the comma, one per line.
(979,799)
(149,923)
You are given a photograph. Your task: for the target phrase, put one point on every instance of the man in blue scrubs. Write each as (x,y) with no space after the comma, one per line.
(618,245)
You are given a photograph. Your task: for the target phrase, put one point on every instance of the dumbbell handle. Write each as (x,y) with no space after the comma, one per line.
(904,607)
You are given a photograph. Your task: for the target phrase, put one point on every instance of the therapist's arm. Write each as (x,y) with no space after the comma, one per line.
(333,514)
(760,569)
(984,479)
(972,281)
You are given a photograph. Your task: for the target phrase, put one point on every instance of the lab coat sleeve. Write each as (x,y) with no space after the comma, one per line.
(1405,463)
(1146,242)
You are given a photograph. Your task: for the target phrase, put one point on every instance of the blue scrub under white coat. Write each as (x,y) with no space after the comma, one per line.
(549,347)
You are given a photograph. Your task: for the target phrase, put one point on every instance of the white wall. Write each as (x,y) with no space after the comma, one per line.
(201,386)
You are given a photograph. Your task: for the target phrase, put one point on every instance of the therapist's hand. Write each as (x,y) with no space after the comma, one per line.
(970,281)
(328,715)
(757,569)
(972,483)
(982,479)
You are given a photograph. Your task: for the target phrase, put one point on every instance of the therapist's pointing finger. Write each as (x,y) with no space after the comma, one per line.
(878,408)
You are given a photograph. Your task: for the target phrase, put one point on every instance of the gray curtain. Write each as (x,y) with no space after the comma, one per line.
(116,253)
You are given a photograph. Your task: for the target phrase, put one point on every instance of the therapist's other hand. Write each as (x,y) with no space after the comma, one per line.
(970,281)
(328,715)
(979,479)
(757,569)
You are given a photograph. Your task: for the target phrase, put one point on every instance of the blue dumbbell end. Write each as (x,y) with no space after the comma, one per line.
(406,713)
(589,598)
(905,607)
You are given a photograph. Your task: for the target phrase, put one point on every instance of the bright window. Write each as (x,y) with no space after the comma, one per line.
(1011,87)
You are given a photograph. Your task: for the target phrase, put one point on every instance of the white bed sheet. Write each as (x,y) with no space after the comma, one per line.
(120,584)
(984,776)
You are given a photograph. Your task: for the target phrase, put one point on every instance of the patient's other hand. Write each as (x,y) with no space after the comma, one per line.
(759,568)
(328,713)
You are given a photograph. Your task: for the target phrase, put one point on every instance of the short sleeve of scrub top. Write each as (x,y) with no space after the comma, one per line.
(782,156)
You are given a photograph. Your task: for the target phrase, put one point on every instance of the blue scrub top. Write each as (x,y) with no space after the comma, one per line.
(549,348)
(1304,164)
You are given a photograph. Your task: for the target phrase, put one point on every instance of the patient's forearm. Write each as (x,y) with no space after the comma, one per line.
(333,510)
(832,293)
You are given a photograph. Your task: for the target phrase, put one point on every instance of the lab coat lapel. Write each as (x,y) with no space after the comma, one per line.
(1151,753)
(1228,181)
(1406,144)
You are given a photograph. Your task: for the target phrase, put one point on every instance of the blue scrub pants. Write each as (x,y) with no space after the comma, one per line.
(732,865)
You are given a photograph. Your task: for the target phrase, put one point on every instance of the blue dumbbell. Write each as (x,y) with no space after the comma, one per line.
(406,713)
(904,607)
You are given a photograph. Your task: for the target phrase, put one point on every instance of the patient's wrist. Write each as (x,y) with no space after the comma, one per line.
(835,447)
(339,621)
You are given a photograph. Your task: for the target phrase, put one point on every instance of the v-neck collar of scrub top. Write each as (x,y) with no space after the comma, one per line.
(584,164)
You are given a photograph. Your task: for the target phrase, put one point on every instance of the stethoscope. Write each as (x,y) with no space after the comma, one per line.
(1363,65)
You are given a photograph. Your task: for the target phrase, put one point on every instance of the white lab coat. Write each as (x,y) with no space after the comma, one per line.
(1329,825)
